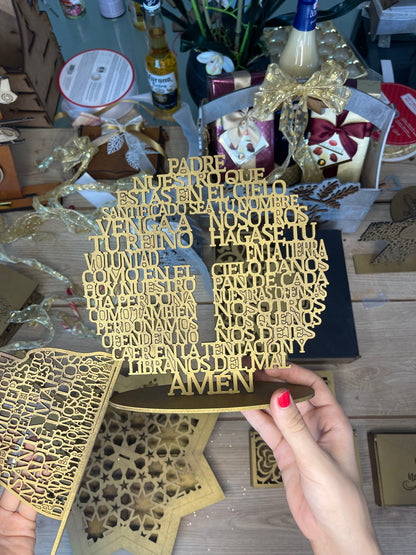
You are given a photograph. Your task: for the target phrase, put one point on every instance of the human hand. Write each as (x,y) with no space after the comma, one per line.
(17,526)
(314,449)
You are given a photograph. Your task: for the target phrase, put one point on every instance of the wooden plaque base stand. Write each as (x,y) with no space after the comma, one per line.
(156,399)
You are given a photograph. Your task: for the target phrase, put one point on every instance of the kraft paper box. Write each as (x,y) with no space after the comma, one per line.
(393,464)
(247,153)
(115,166)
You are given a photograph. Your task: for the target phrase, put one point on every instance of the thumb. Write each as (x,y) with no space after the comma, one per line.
(294,429)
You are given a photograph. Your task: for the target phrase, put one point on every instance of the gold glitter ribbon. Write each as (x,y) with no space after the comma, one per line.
(33,263)
(27,227)
(280,90)
(79,151)
(41,315)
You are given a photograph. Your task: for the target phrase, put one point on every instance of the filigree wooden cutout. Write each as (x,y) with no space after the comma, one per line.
(399,236)
(400,253)
(144,474)
(146,312)
(263,466)
(264,470)
(329,192)
(324,200)
(51,405)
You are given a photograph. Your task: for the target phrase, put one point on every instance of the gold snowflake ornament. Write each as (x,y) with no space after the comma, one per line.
(146,471)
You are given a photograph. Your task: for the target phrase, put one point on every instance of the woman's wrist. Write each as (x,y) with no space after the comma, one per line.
(364,543)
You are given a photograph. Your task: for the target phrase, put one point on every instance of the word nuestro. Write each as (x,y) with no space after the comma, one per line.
(147,313)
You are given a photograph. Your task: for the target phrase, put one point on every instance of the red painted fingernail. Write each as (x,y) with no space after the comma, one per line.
(284,400)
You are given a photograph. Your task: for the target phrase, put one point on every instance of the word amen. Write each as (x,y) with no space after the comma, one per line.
(267,300)
(49,415)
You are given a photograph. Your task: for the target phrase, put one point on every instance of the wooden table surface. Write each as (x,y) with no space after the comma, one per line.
(377,391)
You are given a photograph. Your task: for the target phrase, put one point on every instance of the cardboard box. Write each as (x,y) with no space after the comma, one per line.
(393,465)
(16,292)
(351,209)
(31,59)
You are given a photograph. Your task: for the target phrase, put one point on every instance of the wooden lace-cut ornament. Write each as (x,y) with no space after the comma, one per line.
(320,198)
(51,405)
(264,470)
(399,236)
(147,313)
(145,472)
(263,466)
(399,254)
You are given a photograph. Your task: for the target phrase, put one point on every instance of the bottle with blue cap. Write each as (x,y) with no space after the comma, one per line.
(300,56)
(161,65)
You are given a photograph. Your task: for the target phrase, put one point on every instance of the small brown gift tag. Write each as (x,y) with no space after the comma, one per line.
(115,166)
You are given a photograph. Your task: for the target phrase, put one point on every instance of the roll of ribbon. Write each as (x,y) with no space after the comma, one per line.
(93,80)
(111,8)
(401,140)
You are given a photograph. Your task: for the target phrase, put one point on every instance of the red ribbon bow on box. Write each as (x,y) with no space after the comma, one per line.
(322,129)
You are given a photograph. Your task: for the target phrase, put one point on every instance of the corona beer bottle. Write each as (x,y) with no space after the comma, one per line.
(161,65)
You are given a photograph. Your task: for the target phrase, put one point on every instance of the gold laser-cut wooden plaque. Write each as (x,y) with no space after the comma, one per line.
(400,253)
(146,313)
(51,405)
(145,472)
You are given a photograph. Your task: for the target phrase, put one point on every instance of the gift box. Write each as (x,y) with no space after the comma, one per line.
(339,144)
(115,165)
(242,139)
(336,204)
(349,210)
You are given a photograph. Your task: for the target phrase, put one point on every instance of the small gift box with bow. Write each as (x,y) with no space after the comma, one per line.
(339,143)
(245,141)
(124,150)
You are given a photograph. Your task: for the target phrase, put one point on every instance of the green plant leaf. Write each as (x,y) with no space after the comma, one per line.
(174,18)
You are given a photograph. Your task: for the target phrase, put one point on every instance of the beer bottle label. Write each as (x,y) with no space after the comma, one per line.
(164,90)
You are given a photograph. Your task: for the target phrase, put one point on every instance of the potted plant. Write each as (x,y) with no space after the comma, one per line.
(234,28)
(224,35)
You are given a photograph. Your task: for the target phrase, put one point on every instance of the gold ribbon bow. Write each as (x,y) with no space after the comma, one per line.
(242,123)
(79,151)
(279,90)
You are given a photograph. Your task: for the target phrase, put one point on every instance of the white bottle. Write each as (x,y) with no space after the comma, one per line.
(111,9)
(300,57)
